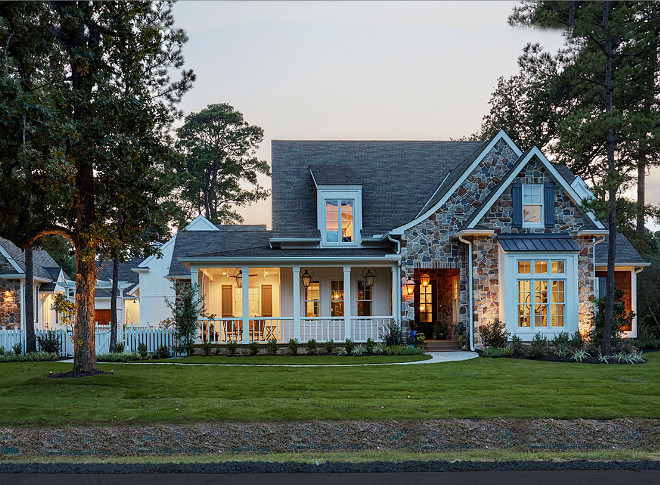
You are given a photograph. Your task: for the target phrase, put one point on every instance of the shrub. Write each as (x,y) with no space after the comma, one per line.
(621,319)
(394,349)
(359,350)
(561,351)
(29,357)
(48,342)
(516,345)
(349,344)
(341,351)
(379,348)
(206,348)
(392,334)
(370,345)
(497,352)
(293,346)
(539,345)
(329,346)
(579,355)
(118,357)
(253,348)
(494,335)
(311,347)
(271,347)
(17,349)
(576,342)
(120,347)
(407,350)
(562,339)
(163,352)
(186,311)
(2,351)
(142,350)
(419,340)
(232,347)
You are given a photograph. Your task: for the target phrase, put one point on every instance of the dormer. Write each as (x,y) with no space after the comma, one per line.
(338,205)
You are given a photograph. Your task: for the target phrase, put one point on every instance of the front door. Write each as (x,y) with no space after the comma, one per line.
(425,308)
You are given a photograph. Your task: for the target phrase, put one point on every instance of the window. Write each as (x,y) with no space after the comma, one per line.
(455,297)
(253,297)
(365,299)
(312,300)
(339,221)
(425,303)
(336,298)
(541,294)
(532,196)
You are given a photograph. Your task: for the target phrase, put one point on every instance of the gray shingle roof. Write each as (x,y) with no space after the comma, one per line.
(41,260)
(625,252)
(125,274)
(566,173)
(335,175)
(267,252)
(397,178)
(197,243)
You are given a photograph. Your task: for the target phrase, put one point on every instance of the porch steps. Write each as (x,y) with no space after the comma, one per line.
(441,345)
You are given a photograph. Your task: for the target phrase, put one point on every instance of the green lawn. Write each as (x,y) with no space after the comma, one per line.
(297,360)
(478,388)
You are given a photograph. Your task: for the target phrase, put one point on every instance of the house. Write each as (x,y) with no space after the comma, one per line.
(440,237)
(128,303)
(49,279)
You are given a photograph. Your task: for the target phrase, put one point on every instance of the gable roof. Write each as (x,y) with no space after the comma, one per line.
(334,175)
(397,178)
(225,238)
(126,274)
(626,254)
(44,266)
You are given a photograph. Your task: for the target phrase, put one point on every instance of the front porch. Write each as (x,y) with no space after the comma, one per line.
(259,304)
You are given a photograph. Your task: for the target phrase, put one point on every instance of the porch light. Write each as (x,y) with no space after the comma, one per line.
(410,286)
(306,278)
(369,276)
(425,279)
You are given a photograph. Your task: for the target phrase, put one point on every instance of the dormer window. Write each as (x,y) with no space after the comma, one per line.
(532,201)
(339,226)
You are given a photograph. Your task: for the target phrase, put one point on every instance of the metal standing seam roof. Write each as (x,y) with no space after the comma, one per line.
(537,242)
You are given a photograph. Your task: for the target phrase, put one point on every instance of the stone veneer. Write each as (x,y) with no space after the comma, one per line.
(10,297)
(432,243)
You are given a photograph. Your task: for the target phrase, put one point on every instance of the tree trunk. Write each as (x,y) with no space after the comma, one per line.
(641,188)
(113,305)
(611,174)
(84,343)
(30,338)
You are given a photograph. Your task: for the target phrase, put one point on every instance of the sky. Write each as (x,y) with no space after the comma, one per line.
(353,70)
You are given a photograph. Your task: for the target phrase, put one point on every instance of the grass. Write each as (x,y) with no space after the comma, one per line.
(350,457)
(297,360)
(478,388)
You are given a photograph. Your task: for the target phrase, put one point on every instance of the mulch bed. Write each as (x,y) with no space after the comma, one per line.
(76,374)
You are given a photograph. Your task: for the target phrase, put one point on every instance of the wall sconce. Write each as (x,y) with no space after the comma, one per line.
(369,276)
(410,286)
(238,276)
(306,277)
(425,279)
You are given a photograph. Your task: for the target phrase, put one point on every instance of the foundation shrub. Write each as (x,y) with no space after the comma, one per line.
(142,350)
(359,350)
(232,347)
(253,348)
(497,352)
(392,334)
(348,345)
(293,346)
(494,335)
(271,347)
(48,342)
(329,346)
(370,345)
(163,352)
(539,345)
(517,345)
(206,348)
(312,347)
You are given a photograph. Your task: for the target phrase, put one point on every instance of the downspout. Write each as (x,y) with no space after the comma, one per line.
(398,275)
(470,309)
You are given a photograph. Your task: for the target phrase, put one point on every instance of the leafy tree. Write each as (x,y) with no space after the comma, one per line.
(621,320)
(187,309)
(86,100)
(221,169)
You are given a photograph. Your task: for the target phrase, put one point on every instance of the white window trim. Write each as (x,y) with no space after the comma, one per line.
(372,299)
(541,223)
(340,193)
(510,278)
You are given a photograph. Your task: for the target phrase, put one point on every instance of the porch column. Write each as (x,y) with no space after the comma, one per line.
(347,302)
(194,270)
(395,291)
(245,274)
(296,302)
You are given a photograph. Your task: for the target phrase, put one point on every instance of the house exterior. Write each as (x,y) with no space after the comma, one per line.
(49,279)
(440,237)
(128,302)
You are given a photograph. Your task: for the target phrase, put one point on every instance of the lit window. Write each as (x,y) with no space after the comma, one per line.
(425,303)
(339,221)
(365,299)
(532,204)
(541,299)
(336,298)
(312,300)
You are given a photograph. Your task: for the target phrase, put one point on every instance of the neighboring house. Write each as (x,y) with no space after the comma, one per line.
(436,236)
(128,303)
(48,280)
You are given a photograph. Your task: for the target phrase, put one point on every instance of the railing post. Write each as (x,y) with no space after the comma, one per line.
(347,302)
(246,303)
(296,302)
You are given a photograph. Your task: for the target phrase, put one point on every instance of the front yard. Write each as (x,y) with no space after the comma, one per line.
(478,388)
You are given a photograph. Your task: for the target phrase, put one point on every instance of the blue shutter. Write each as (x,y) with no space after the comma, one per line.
(549,204)
(516,193)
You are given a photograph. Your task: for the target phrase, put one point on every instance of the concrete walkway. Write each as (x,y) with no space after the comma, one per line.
(436,358)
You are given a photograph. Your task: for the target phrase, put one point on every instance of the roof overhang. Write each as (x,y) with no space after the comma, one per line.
(593,232)
(475,232)
(387,260)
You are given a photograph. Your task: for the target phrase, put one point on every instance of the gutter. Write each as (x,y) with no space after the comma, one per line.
(471,310)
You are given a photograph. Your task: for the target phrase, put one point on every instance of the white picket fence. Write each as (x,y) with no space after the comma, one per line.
(132,337)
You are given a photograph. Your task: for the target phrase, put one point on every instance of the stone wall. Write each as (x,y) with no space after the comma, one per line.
(10,304)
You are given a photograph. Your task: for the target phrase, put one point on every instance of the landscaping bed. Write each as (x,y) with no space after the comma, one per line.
(323,359)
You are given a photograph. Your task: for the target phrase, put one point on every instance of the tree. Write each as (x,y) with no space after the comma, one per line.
(187,309)
(219,148)
(114,293)
(30,336)
(86,102)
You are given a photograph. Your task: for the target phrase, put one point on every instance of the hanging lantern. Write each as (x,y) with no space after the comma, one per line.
(369,276)
(425,279)
(238,275)
(410,286)
(306,278)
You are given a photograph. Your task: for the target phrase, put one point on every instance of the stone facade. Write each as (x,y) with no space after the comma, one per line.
(10,303)
(432,243)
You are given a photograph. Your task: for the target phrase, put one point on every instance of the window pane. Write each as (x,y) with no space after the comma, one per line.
(337,298)
(524,312)
(541,316)
(541,292)
(331,220)
(312,303)
(524,291)
(365,299)
(347,220)
(532,195)
(540,267)
(523,267)
(558,292)
(557,266)
(532,213)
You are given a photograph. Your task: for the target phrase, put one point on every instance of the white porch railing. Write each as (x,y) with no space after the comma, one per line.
(323,329)
(364,328)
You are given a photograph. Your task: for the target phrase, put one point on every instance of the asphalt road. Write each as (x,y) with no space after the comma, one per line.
(564,477)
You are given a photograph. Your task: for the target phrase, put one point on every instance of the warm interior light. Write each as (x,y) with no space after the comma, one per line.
(425,279)
(410,286)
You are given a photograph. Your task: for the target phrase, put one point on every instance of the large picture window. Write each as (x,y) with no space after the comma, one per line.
(339,221)
(541,286)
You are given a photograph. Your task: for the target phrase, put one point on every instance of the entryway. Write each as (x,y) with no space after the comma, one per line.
(437,306)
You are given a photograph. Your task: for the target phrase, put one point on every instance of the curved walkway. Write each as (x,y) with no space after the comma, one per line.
(436,358)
